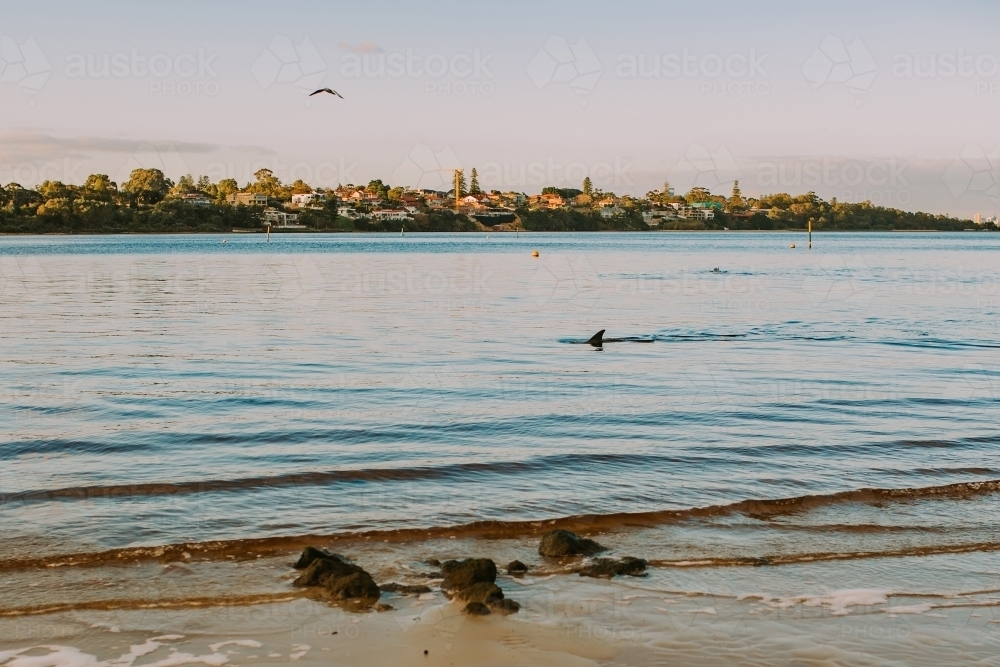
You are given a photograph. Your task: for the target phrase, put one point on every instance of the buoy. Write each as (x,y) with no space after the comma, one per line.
(792,246)
(534,253)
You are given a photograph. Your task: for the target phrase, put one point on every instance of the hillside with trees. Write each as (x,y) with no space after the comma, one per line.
(149,202)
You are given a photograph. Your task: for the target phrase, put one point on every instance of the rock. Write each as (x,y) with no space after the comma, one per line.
(404,589)
(516,567)
(383,607)
(324,568)
(477,609)
(310,554)
(560,543)
(356,586)
(481,592)
(609,567)
(462,574)
(433,562)
(504,606)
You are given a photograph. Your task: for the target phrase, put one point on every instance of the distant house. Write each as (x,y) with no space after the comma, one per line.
(612,211)
(277,218)
(308,198)
(656,216)
(518,198)
(551,201)
(347,212)
(696,212)
(247,199)
(390,214)
(196,198)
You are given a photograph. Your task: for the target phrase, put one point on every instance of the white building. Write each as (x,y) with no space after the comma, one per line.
(347,212)
(277,218)
(654,217)
(196,198)
(390,214)
(695,213)
(308,198)
(612,211)
(247,199)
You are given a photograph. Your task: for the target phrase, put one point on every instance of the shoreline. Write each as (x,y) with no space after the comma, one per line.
(523,231)
(689,618)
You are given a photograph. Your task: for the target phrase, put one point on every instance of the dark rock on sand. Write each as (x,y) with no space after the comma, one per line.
(481,592)
(340,579)
(404,589)
(462,574)
(560,543)
(356,586)
(433,562)
(310,554)
(476,609)
(325,568)
(609,567)
(504,606)
(516,567)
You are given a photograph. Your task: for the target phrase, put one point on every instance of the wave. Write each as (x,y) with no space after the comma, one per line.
(314,478)
(153,603)
(761,509)
(458,471)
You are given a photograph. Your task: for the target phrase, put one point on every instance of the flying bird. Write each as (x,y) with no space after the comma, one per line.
(326,90)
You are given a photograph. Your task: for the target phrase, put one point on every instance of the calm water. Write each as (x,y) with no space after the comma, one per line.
(160,390)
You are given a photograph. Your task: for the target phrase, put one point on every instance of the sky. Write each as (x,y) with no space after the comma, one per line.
(892,102)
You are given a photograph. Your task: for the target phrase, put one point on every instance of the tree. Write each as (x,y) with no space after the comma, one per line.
(378,188)
(588,187)
(736,201)
(226,187)
(460,174)
(396,194)
(98,187)
(268,184)
(146,187)
(698,194)
(299,187)
(184,185)
(474,183)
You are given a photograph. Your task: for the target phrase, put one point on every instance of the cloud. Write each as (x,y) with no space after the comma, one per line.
(45,145)
(36,145)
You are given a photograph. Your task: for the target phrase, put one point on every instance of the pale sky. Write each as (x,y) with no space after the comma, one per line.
(893,101)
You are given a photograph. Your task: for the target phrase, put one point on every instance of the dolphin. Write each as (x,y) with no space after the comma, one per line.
(598,339)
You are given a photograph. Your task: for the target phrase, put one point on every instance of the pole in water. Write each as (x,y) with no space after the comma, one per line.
(268,233)
(810,234)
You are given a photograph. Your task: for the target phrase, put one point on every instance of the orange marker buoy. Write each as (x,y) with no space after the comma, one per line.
(534,253)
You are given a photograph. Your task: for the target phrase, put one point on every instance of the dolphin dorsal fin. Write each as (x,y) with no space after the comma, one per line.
(597,338)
